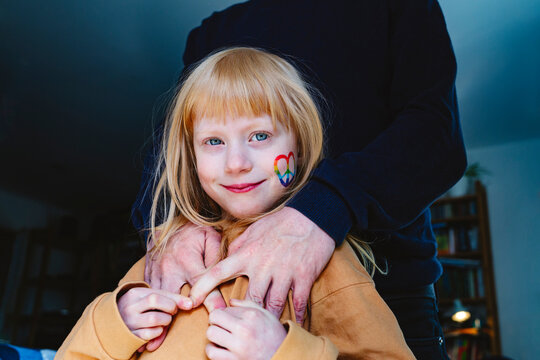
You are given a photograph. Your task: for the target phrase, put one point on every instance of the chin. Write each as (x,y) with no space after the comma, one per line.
(245,213)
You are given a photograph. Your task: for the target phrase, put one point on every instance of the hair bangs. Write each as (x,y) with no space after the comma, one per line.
(247,88)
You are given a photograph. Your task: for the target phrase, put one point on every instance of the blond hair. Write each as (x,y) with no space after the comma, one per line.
(233,82)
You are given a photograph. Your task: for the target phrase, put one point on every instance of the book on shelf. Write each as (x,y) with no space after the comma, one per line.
(452,210)
(467,347)
(452,239)
(460,263)
(461,283)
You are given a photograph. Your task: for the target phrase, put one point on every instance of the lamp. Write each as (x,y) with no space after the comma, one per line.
(459,312)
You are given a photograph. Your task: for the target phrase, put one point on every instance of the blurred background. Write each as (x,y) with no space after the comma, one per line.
(82,82)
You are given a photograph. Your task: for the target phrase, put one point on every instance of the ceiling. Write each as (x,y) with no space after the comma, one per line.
(81,82)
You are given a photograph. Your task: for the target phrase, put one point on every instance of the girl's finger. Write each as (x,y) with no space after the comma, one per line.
(148,333)
(215,353)
(155,343)
(183,302)
(225,319)
(152,319)
(221,337)
(162,301)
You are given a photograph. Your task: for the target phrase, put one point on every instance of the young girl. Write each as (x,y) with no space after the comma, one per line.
(243,137)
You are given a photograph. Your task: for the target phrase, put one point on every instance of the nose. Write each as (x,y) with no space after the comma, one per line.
(238,160)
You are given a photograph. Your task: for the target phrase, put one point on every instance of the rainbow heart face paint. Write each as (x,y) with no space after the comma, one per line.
(288,167)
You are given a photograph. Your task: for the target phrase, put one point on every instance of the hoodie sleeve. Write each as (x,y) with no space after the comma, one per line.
(101,333)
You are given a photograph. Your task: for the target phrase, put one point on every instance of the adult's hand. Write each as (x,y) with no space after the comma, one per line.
(187,255)
(281,251)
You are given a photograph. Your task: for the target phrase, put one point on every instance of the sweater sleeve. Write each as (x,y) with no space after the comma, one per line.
(419,156)
(300,344)
(101,333)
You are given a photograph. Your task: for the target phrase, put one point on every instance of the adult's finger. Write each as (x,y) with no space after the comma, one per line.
(214,301)
(301,290)
(223,271)
(215,353)
(173,283)
(277,296)
(154,271)
(147,268)
(257,288)
(148,265)
(212,247)
(245,303)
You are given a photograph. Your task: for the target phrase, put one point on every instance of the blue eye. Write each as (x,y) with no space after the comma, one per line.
(213,142)
(259,137)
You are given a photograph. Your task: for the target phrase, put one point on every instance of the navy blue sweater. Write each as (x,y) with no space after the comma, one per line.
(394,143)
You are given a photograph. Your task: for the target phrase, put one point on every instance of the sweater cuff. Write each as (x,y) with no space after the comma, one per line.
(300,344)
(325,208)
(115,337)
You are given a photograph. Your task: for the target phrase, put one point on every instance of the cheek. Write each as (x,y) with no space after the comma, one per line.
(205,173)
(285,168)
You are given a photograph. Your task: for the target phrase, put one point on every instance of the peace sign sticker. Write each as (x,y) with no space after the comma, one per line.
(284,163)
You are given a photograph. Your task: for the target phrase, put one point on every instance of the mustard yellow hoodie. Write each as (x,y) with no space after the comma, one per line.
(346,319)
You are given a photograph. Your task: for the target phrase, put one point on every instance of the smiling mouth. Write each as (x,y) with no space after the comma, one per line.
(242,188)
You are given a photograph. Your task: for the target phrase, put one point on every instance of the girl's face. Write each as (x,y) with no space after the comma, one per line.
(244,164)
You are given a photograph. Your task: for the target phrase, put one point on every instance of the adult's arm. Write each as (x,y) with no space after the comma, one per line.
(419,156)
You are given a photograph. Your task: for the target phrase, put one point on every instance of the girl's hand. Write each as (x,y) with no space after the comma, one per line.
(147,312)
(243,331)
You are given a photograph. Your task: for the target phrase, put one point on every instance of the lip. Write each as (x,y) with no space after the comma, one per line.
(242,188)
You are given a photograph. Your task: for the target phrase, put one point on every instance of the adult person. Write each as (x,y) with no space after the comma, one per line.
(388,71)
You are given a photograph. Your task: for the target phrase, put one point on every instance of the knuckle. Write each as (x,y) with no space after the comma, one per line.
(251,314)
(300,304)
(153,299)
(210,332)
(275,303)
(256,297)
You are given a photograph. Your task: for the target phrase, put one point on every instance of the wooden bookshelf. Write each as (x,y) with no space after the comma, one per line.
(461,226)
